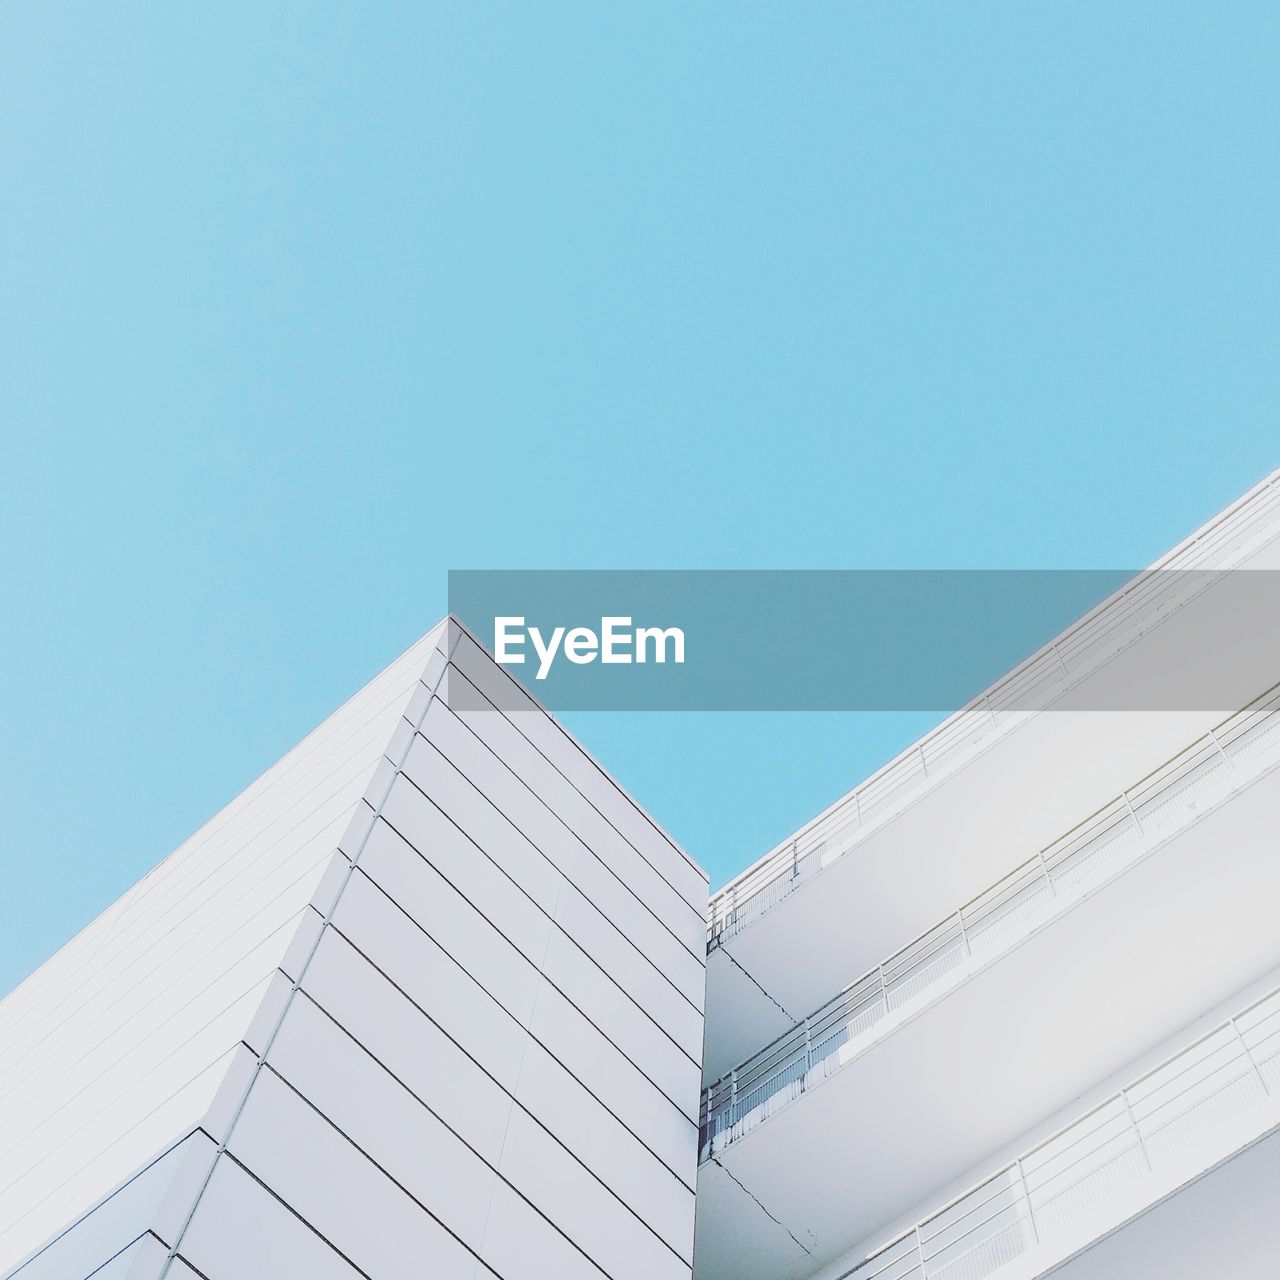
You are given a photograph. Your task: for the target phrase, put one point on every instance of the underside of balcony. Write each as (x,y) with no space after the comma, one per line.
(870,882)
(934,1090)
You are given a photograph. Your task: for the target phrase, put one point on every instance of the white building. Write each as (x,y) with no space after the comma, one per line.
(427,999)
(1010,1006)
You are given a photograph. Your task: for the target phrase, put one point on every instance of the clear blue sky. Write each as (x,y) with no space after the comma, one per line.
(304,304)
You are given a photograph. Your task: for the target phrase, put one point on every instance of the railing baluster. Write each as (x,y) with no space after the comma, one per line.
(1222,751)
(1137,1132)
(1124,795)
(1057,653)
(1026,1198)
(1044,870)
(1248,1053)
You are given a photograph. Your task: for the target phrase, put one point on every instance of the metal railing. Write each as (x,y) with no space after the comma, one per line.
(1141,1129)
(1124,617)
(1226,758)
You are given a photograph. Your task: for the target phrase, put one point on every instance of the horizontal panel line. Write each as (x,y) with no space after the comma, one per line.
(538,709)
(563,1066)
(698,954)
(102,1266)
(426,1106)
(227,1154)
(699,958)
(538,906)
(606,1038)
(578,790)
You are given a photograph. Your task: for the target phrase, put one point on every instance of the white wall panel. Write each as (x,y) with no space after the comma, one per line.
(446,1020)
(39,1203)
(481,952)
(432,978)
(145,1034)
(241,1232)
(520,1243)
(412,1047)
(585,1209)
(651,987)
(441,982)
(142,1260)
(189,940)
(452,1171)
(460,793)
(568,1036)
(626,1024)
(178,1270)
(329,748)
(385,1120)
(463,925)
(476,1106)
(111,1225)
(549,787)
(100,1116)
(580,769)
(321,1175)
(120,1041)
(453,850)
(527,941)
(605,1145)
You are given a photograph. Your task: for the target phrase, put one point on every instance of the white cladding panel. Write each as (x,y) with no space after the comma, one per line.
(121,1232)
(434,1001)
(241,1229)
(116,1047)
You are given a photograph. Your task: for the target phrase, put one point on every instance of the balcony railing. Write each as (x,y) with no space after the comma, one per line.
(1141,1130)
(1098,636)
(1229,756)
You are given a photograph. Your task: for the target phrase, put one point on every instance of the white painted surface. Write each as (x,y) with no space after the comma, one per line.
(117,1225)
(1223,1224)
(118,1044)
(465,1078)
(426,1038)
(960,826)
(240,1229)
(991,1051)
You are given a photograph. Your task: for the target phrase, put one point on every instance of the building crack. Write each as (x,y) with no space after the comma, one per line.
(742,1186)
(746,974)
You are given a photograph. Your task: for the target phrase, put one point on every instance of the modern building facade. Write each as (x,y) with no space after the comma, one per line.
(425,1000)
(1010,1008)
(428,999)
